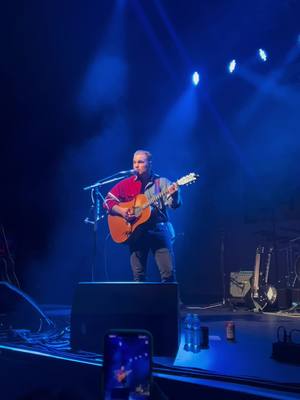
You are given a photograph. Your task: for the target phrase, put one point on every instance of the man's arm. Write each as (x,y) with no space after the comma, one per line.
(112,200)
(173,198)
(126,213)
(111,204)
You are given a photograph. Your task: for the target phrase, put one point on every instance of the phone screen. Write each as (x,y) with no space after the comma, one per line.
(127,365)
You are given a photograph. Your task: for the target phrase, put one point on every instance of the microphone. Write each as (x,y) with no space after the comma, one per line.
(128,172)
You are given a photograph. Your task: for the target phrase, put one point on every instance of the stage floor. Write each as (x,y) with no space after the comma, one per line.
(246,361)
(249,356)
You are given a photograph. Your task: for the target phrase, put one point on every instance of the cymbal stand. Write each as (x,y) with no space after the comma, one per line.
(291,242)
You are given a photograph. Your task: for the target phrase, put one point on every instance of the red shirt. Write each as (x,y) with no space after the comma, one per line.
(123,191)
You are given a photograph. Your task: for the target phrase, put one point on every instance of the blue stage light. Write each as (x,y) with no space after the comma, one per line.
(231,66)
(195,78)
(263,55)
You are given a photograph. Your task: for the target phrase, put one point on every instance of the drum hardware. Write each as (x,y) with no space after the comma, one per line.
(282,228)
(270,236)
(286,242)
(280,243)
(293,262)
(290,271)
(296,270)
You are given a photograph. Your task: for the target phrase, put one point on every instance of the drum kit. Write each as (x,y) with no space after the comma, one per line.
(285,249)
(292,251)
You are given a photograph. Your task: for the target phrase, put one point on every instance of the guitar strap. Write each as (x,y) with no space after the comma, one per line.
(169,226)
(157,185)
(157,191)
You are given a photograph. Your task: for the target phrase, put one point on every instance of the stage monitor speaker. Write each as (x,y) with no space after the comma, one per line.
(240,283)
(284,298)
(295,295)
(100,306)
(19,311)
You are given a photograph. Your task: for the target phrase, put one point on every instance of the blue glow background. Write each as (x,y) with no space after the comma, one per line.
(83,85)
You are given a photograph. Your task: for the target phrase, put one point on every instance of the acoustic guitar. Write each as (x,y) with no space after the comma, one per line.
(122,230)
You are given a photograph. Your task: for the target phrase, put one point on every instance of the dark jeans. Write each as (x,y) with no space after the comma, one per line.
(157,239)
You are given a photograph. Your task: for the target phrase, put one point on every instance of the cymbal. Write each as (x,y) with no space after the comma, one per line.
(273,236)
(289,229)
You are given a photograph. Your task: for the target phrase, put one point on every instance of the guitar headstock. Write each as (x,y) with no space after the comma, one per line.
(187,179)
(260,249)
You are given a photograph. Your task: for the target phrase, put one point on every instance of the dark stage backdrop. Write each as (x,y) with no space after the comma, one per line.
(84,84)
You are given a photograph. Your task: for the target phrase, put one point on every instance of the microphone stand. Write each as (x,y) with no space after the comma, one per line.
(95,208)
(222,271)
(222,275)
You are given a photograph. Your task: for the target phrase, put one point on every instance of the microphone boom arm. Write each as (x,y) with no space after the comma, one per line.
(104,181)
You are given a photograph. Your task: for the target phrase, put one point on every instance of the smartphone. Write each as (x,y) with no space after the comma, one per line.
(127,365)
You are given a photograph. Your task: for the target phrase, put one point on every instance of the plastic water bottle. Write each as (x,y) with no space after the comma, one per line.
(196,346)
(188,332)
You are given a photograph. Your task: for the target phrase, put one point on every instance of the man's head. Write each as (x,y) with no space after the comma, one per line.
(142,163)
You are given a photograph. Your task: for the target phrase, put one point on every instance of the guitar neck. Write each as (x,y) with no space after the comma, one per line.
(268,265)
(185,180)
(155,198)
(256,273)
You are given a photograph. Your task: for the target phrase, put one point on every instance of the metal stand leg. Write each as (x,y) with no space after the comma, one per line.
(222,273)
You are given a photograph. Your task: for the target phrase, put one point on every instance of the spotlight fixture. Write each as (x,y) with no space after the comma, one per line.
(262,55)
(195,78)
(231,66)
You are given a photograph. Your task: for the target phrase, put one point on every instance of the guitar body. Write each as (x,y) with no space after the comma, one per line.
(263,294)
(119,228)
(122,230)
(267,295)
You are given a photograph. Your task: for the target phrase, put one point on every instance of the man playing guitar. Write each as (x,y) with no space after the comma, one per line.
(140,204)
